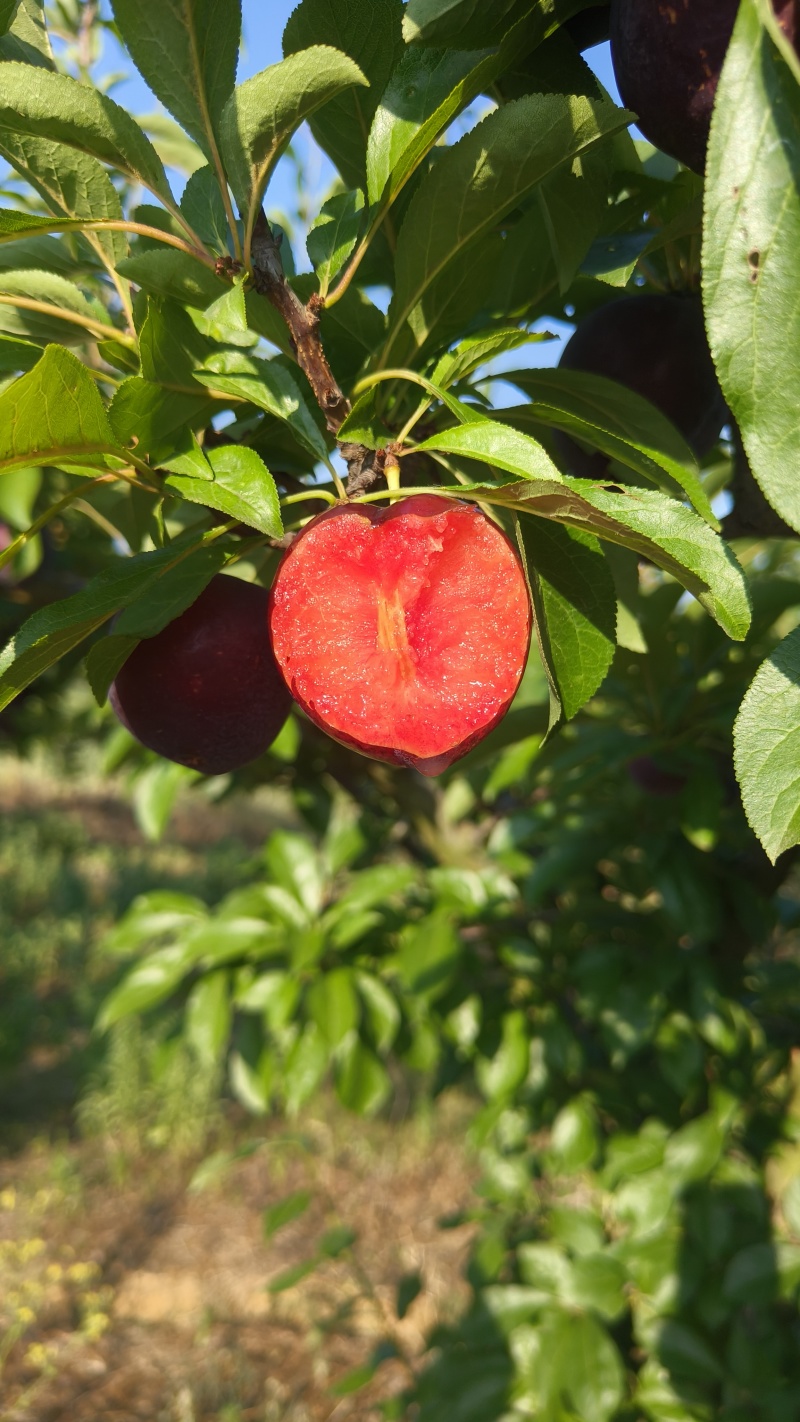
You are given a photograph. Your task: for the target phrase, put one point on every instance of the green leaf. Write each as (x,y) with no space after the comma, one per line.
(616,421)
(575,608)
(685,1352)
(424,94)
(151,419)
(496,444)
(333,1004)
(242,488)
(767,749)
(381,1010)
(292,862)
(475,351)
(304,1068)
(474,184)
(471,23)
(501,1074)
(104,660)
(146,985)
(362,1081)
(573,1140)
(54,630)
(644,520)
(186,50)
(72,184)
(693,1151)
(333,234)
(591,1369)
(336,1240)
(226,318)
(17,355)
(208,1017)
(288,1209)
(597,1282)
(57,292)
(289,1277)
(19,489)
(752,231)
(174,274)
(204,210)
(54,412)
(262,114)
(25,37)
(38,104)
(170,346)
(429,955)
(270,386)
(369,31)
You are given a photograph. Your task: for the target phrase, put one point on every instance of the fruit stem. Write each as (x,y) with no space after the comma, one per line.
(391,471)
(310,494)
(401,494)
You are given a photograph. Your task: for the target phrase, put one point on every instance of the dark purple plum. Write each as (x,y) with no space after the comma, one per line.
(206,691)
(667,57)
(655,345)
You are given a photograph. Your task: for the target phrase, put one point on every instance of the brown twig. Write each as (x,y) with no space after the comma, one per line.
(303,322)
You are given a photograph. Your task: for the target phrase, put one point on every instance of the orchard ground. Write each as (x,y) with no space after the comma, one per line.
(134,1268)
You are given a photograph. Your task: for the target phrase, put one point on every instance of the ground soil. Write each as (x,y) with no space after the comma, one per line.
(135,1283)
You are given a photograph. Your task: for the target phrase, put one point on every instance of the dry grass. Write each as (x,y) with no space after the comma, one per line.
(149,1299)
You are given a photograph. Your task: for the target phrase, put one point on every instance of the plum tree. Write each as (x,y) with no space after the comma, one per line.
(206,691)
(655,345)
(403,632)
(667,57)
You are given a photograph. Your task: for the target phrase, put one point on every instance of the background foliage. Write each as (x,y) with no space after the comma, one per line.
(580,930)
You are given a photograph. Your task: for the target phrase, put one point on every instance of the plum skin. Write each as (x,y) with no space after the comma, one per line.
(656,345)
(327,700)
(206,691)
(667,57)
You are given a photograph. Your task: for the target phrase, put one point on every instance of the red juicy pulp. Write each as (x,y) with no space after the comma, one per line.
(402,631)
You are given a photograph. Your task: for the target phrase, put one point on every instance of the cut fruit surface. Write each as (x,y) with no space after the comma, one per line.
(404,631)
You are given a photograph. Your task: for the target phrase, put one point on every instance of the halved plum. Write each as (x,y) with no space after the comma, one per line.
(402,632)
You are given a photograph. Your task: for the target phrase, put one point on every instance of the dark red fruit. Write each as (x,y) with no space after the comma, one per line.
(404,631)
(206,691)
(657,346)
(651,777)
(667,57)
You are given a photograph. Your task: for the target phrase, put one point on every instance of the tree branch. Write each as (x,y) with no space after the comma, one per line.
(303,323)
